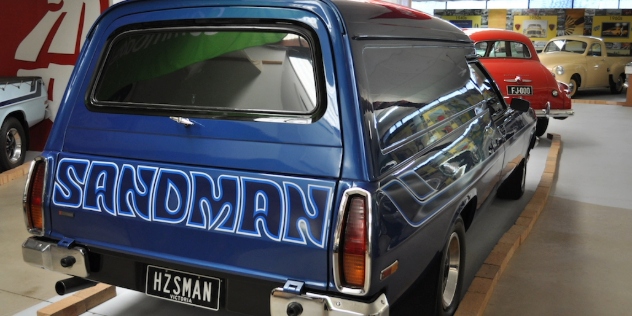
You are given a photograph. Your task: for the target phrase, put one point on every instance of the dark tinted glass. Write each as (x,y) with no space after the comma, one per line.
(422,99)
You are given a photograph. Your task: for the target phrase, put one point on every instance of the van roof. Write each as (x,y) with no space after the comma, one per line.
(362,18)
(373,19)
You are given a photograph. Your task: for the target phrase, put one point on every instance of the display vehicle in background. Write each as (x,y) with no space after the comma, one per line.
(584,62)
(23,103)
(512,60)
(534,31)
(255,157)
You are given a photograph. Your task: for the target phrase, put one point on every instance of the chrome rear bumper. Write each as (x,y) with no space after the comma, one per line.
(554,113)
(548,112)
(322,305)
(50,256)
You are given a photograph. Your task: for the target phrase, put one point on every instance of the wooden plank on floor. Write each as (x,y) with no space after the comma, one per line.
(80,302)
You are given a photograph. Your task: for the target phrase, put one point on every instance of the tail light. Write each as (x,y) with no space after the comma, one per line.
(352,243)
(33,197)
(563,87)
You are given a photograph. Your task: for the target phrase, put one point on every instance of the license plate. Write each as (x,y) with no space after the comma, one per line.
(183,287)
(519,90)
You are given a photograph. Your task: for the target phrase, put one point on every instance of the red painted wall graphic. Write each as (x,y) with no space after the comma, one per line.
(43,38)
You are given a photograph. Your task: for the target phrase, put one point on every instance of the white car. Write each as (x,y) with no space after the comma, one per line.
(23,103)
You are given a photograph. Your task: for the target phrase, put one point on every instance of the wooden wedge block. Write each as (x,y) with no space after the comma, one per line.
(80,302)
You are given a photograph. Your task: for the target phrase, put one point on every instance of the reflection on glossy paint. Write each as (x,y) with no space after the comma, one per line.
(399,12)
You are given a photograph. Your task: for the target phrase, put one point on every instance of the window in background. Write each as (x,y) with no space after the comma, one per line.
(592,4)
(546,4)
(504,4)
(429,6)
(465,5)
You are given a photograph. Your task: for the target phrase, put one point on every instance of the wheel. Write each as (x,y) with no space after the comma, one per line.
(616,86)
(451,270)
(541,125)
(572,87)
(513,187)
(13,140)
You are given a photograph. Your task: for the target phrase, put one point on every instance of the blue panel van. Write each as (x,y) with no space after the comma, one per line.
(268,157)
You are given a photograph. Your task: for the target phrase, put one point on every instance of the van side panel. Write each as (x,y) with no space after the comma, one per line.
(430,146)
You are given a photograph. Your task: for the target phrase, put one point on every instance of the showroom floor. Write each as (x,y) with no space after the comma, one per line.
(575,261)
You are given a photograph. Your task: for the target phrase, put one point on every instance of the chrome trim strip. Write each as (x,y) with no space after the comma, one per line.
(25,197)
(554,113)
(277,116)
(316,304)
(337,238)
(48,255)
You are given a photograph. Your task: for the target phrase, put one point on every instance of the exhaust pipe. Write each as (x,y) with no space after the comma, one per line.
(73,284)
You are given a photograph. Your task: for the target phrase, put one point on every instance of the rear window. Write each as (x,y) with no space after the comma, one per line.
(209,71)
(502,49)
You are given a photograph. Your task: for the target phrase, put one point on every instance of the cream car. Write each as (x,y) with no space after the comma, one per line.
(583,62)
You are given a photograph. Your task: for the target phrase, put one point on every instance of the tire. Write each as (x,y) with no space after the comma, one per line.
(451,270)
(513,187)
(13,143)
(572,87)
(616,86)
(541,125)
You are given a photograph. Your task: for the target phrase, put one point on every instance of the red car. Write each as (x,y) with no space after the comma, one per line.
(513,62)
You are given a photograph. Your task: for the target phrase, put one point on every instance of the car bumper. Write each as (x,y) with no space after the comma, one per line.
(55,257)
(556,113)
(317,304)
(52,256)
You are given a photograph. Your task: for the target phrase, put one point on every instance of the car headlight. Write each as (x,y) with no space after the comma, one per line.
(554,93)
(559,70)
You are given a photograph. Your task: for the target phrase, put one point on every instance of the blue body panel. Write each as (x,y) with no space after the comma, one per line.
(173,213)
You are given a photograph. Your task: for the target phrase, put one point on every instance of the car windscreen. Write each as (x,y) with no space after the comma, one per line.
(571,46)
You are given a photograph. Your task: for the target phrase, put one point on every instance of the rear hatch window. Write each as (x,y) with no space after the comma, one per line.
(206,72)
(241,90)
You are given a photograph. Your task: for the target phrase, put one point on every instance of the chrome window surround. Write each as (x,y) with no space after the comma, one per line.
(248,115)
(26,197)
(337,251)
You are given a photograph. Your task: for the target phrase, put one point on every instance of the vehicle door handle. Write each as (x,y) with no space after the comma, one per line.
(182,120)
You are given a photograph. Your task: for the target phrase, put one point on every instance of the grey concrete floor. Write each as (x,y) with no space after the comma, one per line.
(574,262)
(21,285)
